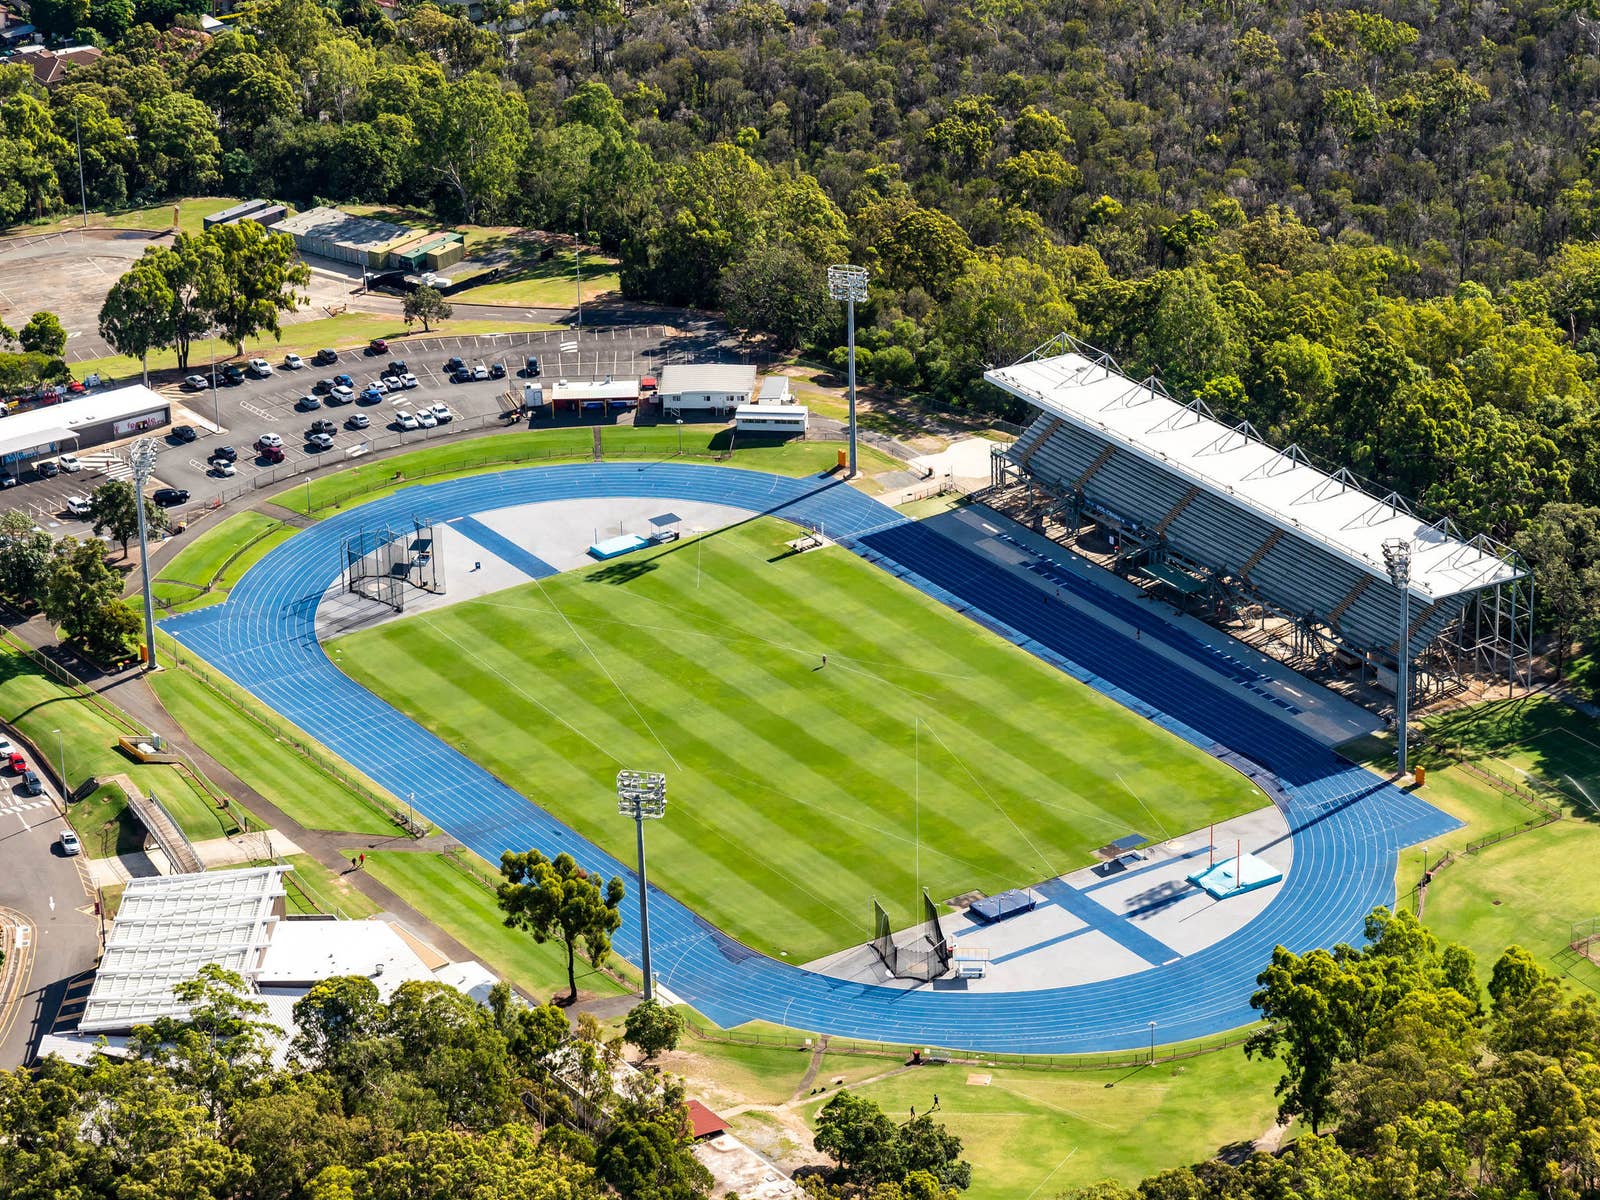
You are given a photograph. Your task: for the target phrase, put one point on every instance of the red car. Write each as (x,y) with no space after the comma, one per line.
(17,763)
(377,346)
(274,454)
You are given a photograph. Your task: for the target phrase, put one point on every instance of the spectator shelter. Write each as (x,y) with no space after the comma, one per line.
(593,396)
(707,389)
(79,423)
(1208,509)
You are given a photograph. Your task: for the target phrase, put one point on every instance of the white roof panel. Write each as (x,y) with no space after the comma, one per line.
(1281,486)
(732,378)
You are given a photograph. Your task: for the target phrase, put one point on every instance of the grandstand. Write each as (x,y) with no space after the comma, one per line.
(1211,514)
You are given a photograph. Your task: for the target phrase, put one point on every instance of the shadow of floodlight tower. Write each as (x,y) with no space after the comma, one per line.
(641,795)
(142,458)
(849,284)
(1397,558)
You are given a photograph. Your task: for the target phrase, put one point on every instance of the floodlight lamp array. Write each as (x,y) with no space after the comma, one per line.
(1397,558)
(847,283)
(641,794)
(142,458)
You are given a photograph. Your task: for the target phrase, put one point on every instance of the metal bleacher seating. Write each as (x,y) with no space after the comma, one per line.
(1291,570)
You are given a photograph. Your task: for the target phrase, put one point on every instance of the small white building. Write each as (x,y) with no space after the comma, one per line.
(713,389)
(595,395)
(786,420)
(775,390)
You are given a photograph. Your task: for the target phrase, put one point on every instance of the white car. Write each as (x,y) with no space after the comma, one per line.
(323,441)
(6,748)
(268,440)
(442,413)
(344,395)
(293,362)
(70,463)
(226,469)
(426,419)
(260,368)
(199,383)
(379,385)
(408,380)
(481,372)
(406,420)
(78,506)
(69,839)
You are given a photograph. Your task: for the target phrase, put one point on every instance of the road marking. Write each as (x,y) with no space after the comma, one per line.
(568,347)
(52,904)
(259,411)
(24,936)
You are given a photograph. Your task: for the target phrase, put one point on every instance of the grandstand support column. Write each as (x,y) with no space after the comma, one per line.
(1397,558)
(142,458)
(849,284)
(642,795)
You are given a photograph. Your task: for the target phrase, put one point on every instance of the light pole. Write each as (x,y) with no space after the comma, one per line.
(83,192)
(142,458)
(577,271)
(1397,558)
(849,284)
(642,794)
(680,437)
(1152,1043)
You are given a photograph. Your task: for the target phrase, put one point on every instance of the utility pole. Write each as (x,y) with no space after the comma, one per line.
(142,458)
(83,192)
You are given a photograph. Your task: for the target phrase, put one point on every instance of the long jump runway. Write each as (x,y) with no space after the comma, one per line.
(1347,824)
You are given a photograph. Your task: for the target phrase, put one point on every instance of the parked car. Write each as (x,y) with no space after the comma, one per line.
(397,366)
(441,412)
(268,441)
(533,373)
(70,463)
(320,441)
(9,481)
(405,420)
(70,846)
(293,362)
(185,433)
(6,748)
(359,421)
(199,383)
(480,372)
(377,346)
(170,497)
(373,395)
(380,384)
(343,381)
(48,469)
(260,368)
(324,357)
(497,370)
(461,375)
(322,425)
(272,454)
(224,468)
(18,764)
(341,395)
(452,365)
(426,419)
(322,387)
(232,374)
(32,785)
(224,454)
(408,380)
(78,506)
(308,402)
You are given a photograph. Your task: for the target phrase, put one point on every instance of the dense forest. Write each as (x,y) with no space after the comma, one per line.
(1367,231)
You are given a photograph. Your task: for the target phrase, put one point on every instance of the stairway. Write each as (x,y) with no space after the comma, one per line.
(1261,552)
(1188,499)
(1100,460)
(1343,606)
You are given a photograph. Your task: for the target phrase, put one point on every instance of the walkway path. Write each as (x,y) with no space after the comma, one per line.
(1348,824)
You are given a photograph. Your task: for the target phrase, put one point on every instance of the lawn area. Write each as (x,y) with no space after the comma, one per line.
(204,570)
(926,751)
(313,889)
(191,217)
(1537,736)
(273,767)
(465,909)
(348,330)
(1029,1132)
(36,704)
(568,443)
(548,284)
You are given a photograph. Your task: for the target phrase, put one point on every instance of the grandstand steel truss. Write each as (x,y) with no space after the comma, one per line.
(382,564)
(1251,536)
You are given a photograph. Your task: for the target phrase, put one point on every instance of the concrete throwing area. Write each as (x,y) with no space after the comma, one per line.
(501,548)
(1103,921)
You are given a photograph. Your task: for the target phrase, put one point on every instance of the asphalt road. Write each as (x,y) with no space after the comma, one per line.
(58,941)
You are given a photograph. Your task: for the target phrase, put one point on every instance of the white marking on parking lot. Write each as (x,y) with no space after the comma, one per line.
(568,347)
(258,410)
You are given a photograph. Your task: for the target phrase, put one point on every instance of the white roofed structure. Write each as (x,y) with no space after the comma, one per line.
(1169,481)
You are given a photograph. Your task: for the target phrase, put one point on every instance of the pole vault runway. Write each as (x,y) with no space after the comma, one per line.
(1347,824)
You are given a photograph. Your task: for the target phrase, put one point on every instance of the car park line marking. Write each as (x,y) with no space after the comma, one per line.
(257,410)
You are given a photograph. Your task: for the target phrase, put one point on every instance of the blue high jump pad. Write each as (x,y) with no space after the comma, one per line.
(1006,904)
(1235,875)
(616,547)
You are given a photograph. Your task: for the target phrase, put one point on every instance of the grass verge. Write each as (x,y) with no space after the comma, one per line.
(203,571)
(548,284)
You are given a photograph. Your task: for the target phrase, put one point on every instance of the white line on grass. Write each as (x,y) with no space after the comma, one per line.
(1164,834)
(1053,1170)
(1050,872)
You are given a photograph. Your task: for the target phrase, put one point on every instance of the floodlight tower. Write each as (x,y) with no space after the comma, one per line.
(849,284)
(642,794)
(1397,558)
(142,458)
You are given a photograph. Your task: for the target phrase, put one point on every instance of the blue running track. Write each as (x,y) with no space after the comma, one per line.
(1347,824)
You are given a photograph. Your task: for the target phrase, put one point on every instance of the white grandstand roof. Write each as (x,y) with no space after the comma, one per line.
(167,928)
(1231,461)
